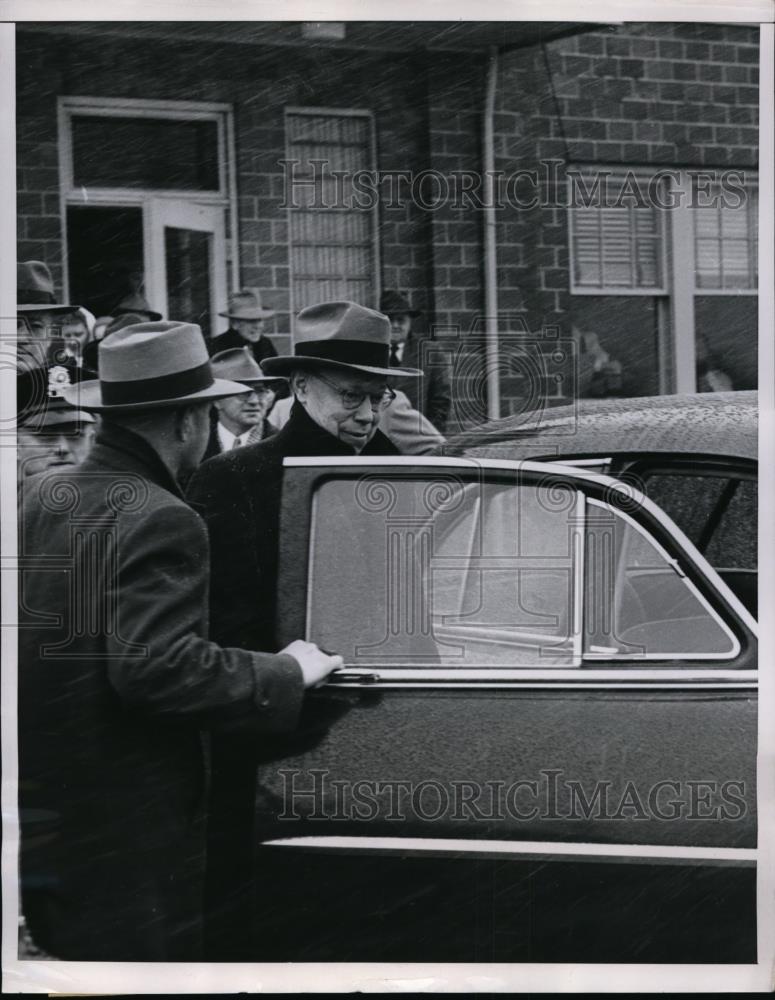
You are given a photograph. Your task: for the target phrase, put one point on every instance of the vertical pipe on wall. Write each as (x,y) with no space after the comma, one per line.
(490,244)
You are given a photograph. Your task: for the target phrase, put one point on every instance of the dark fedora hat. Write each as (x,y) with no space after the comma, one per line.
(135,303)
(394,303)
(151,366)
(35,289)
(239,365)
(342,335)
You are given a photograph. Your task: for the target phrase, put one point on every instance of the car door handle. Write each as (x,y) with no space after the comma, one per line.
(353,677)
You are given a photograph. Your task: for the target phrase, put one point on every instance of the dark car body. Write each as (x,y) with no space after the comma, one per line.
(542,747)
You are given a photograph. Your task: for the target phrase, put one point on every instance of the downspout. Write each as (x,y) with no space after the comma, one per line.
(492,380)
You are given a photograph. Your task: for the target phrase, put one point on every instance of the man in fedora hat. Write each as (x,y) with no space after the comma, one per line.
(241,420)
(50,433)
(432,396)
(339,379)
(39,317)
(117,677)
(246,316)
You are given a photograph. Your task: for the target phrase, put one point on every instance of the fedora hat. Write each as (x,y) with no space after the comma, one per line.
(394,303)
(342,335)
(35,289)
(135,303)
(239,365)
(246,304)
(151,366)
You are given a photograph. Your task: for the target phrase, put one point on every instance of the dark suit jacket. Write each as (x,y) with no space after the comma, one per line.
(116,680)
(262,348)
(214,443)
(430,394)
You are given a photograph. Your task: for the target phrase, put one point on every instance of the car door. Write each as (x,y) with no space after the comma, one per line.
(542,745)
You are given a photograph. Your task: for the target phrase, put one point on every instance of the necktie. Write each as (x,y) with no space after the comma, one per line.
(395,361)
(256,433)
(236,443)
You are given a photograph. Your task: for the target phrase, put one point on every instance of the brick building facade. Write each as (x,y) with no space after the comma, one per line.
(679,98)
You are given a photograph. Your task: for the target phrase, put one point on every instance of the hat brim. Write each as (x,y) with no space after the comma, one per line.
(45,307)
(88,396)
(262,380)
(57,418)
(153,316)
(249,314)
(287,363)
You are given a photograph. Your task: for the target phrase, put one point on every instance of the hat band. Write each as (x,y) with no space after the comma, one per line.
(35,297)
(348,352)
(165,387)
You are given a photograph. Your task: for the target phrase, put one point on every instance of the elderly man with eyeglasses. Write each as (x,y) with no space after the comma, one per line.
(339,379)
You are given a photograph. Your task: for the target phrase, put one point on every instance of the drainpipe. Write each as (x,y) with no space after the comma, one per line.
(490,244)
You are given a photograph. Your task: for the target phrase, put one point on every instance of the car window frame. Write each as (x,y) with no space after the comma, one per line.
(300,485)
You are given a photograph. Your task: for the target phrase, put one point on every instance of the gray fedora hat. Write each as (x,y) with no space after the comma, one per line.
(151,366)
(239,365)
(341,335)
(35,289)
(246,304)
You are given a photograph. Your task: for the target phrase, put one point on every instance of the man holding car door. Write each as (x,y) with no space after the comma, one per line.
(117,684)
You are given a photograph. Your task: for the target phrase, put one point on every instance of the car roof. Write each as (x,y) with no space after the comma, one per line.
(720,424)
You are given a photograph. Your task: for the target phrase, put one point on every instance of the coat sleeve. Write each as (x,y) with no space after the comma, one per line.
(241,610)
(408,429)
(158,657)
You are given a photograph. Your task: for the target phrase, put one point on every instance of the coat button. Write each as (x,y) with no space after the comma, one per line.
(264,703)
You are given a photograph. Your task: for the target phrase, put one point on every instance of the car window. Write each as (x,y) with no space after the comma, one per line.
(718,513)
(637,603)
(733,544)
(438,572)
(421,572)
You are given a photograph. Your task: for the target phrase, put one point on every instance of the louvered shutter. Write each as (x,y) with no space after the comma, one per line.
(616,249)
(726,243)
(332,250)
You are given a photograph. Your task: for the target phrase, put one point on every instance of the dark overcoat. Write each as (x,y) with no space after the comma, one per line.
(431,394)
(117,680)
(261,348)
(238,494)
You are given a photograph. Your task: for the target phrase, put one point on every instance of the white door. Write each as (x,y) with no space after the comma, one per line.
(185,261)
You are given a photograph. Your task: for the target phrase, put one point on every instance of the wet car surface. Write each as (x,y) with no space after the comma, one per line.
(542,746)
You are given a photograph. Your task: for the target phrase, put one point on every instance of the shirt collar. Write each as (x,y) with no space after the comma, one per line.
(227,438)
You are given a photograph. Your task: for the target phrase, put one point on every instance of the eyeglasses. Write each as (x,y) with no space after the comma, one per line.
(354,400)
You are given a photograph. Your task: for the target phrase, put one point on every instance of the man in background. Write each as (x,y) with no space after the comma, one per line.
(246,316)
(50,433)
(241,420)
(432,394)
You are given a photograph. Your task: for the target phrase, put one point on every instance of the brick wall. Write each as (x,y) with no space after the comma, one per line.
(259,83)
(639,95)
(651,94)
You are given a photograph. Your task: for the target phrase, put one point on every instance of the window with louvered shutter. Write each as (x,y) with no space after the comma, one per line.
(617,249)
(726,243)
(332,240)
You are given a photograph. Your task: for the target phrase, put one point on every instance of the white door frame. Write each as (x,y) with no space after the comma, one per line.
(162,213)
(225,197)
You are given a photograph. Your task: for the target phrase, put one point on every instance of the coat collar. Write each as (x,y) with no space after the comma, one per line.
(302,436)
(115,446)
